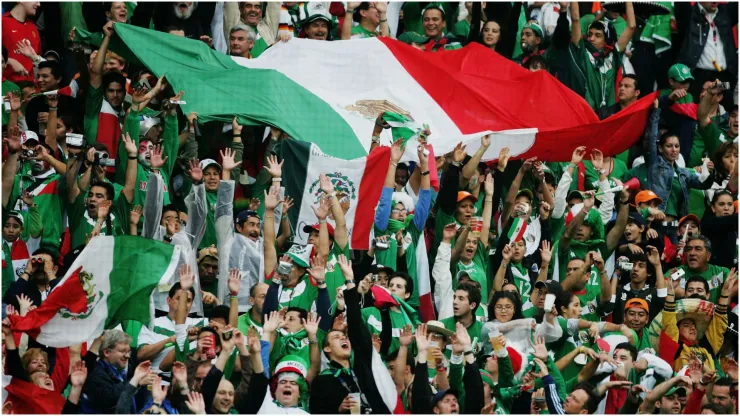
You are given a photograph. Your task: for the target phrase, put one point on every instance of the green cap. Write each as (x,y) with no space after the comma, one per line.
(435,5)
(681,391)
(535,28)
(300,254)
(680,73)
(412,37)
(527,193)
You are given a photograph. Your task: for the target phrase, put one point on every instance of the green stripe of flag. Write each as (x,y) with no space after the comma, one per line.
(296,155)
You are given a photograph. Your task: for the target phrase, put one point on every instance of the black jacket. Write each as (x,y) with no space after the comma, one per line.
(327,391)
(722,232)
(102,390)
(697,34)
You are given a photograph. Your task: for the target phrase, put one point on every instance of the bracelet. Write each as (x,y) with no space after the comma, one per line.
(349,282)
(232,297)
(350,11)
(394,164)
(52,109)
(232,294)
(334,193)
(572,165)
(376,139)
(456,164)
(320,282)
(277,179)
(723,296)
(312,342)
(269,216)
(322,221)
(469,352)
(383,20)
(425,173)
(132,158)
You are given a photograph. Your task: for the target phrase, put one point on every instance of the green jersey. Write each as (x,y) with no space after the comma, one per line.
(473,331)
(374,322)
(334,275)
(81,224)
(590,297)
(707,140)
(593,77)
(359,32)
(293,344)
(209,238)
(246,321)
(477,269)
(46,196)
(8,86)
(302,295)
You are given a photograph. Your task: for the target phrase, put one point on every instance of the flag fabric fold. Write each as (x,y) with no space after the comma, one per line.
(111,281)
(335,106)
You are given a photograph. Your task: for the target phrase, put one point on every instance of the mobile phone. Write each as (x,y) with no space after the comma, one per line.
(375,278)
(226,335)
(549,302)
(677,274)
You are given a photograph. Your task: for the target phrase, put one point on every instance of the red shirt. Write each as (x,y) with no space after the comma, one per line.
(13,32)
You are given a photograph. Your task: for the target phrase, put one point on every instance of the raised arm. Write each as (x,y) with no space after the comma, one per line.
(346,33)
(271,202)
(626,36)
(572,228)
(575,23)
(341,236)
(96,71)
(612,238)
(382,8)
(472,165)
(487,210)
(514,188)
(131,168)
(10,167)
(705,106)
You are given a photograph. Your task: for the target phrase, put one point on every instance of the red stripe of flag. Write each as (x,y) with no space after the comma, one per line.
(376,166)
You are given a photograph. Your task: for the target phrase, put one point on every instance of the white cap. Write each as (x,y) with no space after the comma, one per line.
(208,162)
(29,135)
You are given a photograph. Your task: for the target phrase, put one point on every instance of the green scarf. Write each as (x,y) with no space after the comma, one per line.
(395,226)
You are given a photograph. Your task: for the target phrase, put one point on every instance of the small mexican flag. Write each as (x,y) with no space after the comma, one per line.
(517,229)
(112,280)
(358,184)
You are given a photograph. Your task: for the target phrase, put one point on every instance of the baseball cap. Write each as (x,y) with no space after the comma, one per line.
(574,194)
(535,28)
(53,53)
(681,391)
(17,215)
(316,227)
(646,196)
(552,286)
(637,303)
(205,163)
(434,5)
(680,73)
(527,193)
(465,194)
(28,135)
(243,216)
(316,10)
(441,394)
(637,218)
(690,217)
(412,37)
(208,252)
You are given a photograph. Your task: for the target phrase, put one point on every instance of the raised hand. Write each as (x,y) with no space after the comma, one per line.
(346,267)
(271,198)
(272,322)
(142,371)
(15,100)
(187,278)
(489,185)
(506,253)
(588,200)
(104,208)
(209,298)
(254,204)
(578,154)
(324,208)
(196,173)
(135,214)
(287,204)
(422,341)
(527,165)
(397,150)
(731,284)
(156,157)
(326,184)
(24,48)
(545,210)
(159,391)
(207,40)
(423,157)
(449,232)
(235,280)
(597,159)
(318,270)
(406,337)
(227,159)
(597,260)
(192,119)
(540,351)
(78,374)
(546,251)
(503,159)
(108,29)
(180,373)
(459,153)
(253,341)
(195,403)
(52,101)
(130,146)
(139,95)
(311,325)
(25,303)
(274,168)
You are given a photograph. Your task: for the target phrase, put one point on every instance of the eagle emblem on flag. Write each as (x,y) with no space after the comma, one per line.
(92,298)
(343,186)
(373,108)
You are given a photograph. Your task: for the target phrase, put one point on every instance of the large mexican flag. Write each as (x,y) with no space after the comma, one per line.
(329,93)
(111,281)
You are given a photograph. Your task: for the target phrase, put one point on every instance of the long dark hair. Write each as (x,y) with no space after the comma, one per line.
(719,169)
(513,297)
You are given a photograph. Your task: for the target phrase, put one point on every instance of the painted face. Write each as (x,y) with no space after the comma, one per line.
(504,310)
(434,23)
(491,34)
(224,399)
(318,30)
(723,206)
(12,229)
(119,355)
(636,318)
(145,153)
(671,149)
(184,9)
(251,13)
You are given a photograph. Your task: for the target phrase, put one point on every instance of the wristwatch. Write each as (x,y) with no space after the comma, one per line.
(349,282)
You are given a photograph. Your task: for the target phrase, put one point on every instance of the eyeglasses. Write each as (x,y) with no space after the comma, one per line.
(399,211)
(124,352)
(504,307)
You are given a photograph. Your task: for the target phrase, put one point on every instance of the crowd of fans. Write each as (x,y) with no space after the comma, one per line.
(599,285)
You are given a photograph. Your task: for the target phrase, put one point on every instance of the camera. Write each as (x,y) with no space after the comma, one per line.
(103,159)
(380,245)
(29,153)
(723,86)
(226,335)
(624,264)
(284,268)
(374,278)
(75,140)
